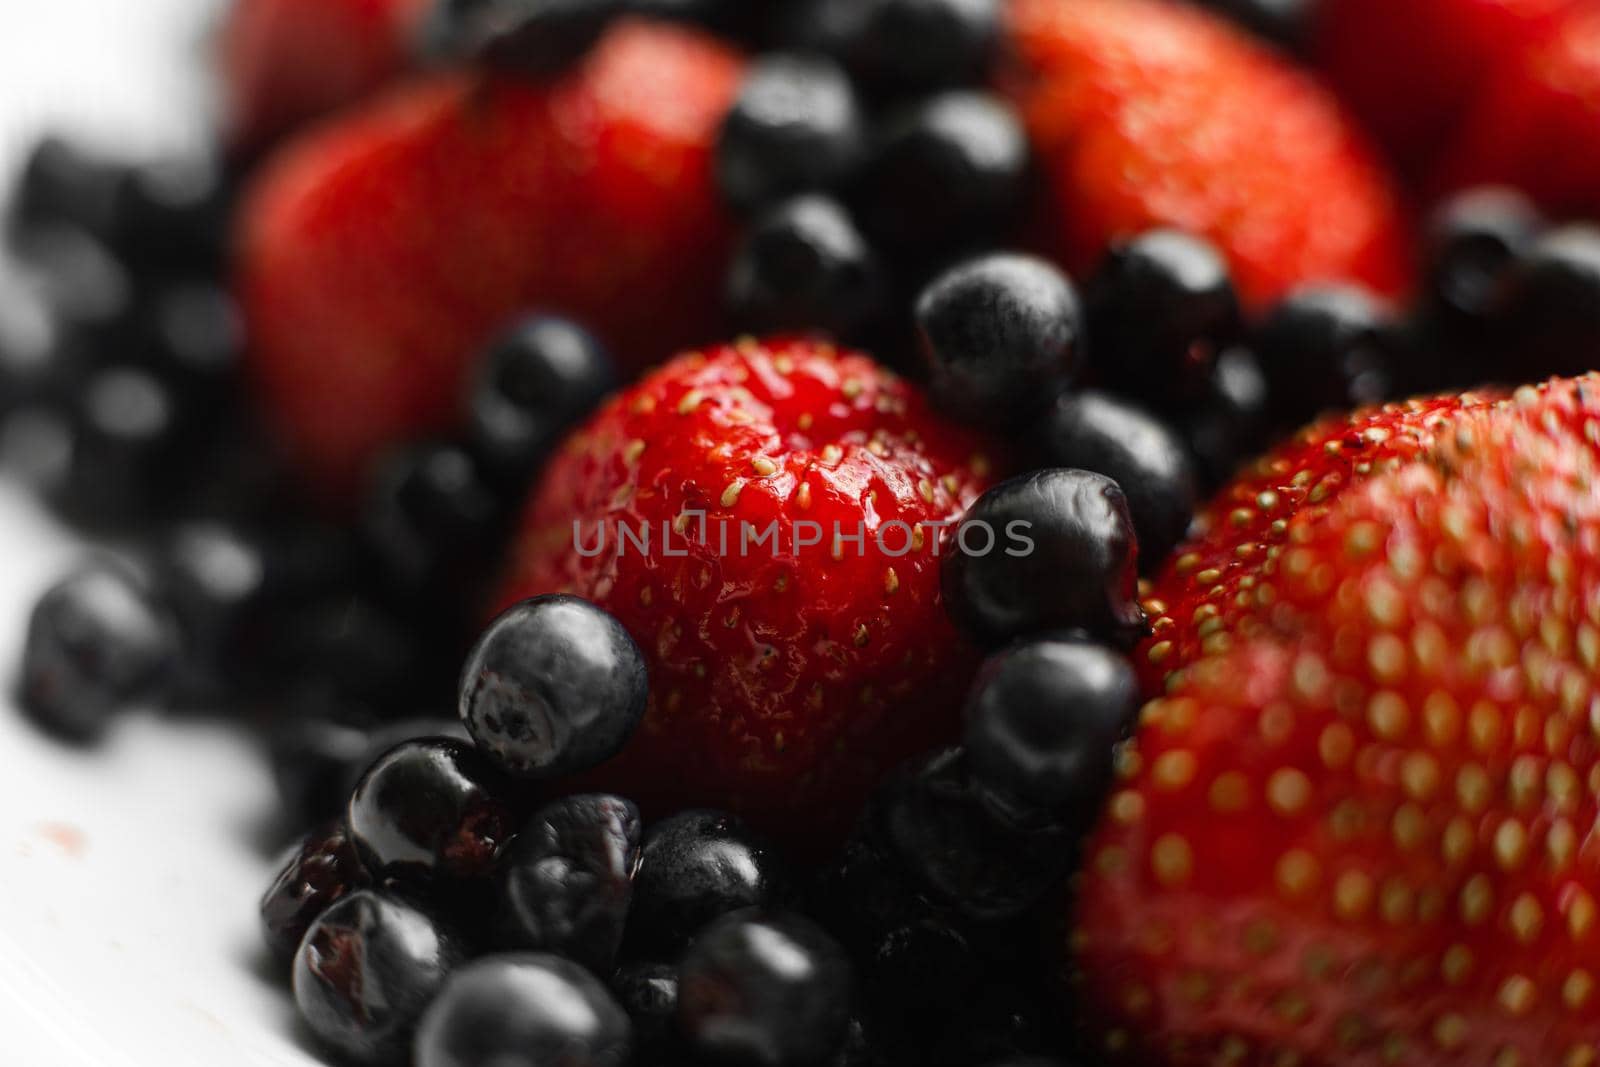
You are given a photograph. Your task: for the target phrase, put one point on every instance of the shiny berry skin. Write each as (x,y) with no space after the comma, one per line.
(943,172)
(1552,303)
(1160,308)
(392,735)
(766,988)
(695,866)
(554,686)
(805,267)
(1097,432)
(565,883)
(128,432)
(910,46)
(320,871)
(523,1010)
(366,970)
(1043,718)
(1473,241)
(428,810)
(533,38)
(98,641)
(1054,549)
(537,380)
(430,517)
(795,127)
(1231,423)
(1322,348)
(1002,336)
(311,759)
(648,992)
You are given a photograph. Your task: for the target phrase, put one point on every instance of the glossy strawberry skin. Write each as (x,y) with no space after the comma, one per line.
(285,62)
(1360,835)
(781,687)
(1145,113)
(380,253)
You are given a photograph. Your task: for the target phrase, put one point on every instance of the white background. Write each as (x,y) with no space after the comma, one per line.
(128,875)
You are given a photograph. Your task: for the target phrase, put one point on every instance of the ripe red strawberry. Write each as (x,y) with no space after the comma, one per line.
(379,254)
(782,686)
(1145,113)
(1361,835)
(286,61)
(1410,70)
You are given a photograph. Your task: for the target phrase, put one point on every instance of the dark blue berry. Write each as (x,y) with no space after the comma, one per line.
(528,38)
(392,735)
(63,183)
(565,883)
(195,339)
(803,266)
(170,218)
(1002,336)
(366,970)
(1160,308)
(319,872)
(908,46)
(1094,431)
(1042,720)
(430,810)
(128,435)
(311,760)
(98,641)
(431,519)
(1552,305)
(1231,421)
(554,686)
(648,992)
(695,866)
(347,649)
(1473,240)
(943,173)
(1050,550)
(763,987)
(794,128)
(537,381)
(1324,347)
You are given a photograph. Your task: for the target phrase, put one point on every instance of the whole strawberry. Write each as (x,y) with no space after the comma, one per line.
(1360,834)
(786,593)
(1146,114)
(379,254)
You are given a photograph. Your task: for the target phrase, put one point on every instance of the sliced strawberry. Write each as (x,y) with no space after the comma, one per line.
(1361,835)
(785,679)
(1145,114)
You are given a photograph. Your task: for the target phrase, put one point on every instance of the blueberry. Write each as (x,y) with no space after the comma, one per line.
(553,687)
(63,183)
(1473,240)
(171,216)
(523,1010)
(565,883)
(1285,23)
(196,339)
(944,172)
(528,38)
(962,848)
(1160,308)
(1043,718)
(392,735)
(910,46)
(925,965)
(1002,336)
(366,970)
(1096,432)
(648,992)
(346,648)
(695,866)
(430,810)
(311,759)
(431,519)
(766,988)
(319,872)
(1230,424)
(794,128)
(83,284)
(1050,550)
(537,381)
(803,266)
(126,445)
(1323,347)
(98,641)
(1552,305)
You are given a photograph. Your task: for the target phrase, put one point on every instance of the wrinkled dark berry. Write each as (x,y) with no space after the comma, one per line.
(1096,432)
(765,988)
(1551,305)
(1050,550)
(98,641)
(565,883)
(695,866)
(538,380)
(648,992)
(429,810)
(1002,336)
(1323,348)
(794,128)
(1160,308)
(803,266)
(366,970)
(1043,718)
(319,872)
(524,1010)
(554,686)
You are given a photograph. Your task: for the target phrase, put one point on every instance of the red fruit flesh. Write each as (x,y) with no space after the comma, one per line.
(782,686)
(1145,114)
(378,255)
